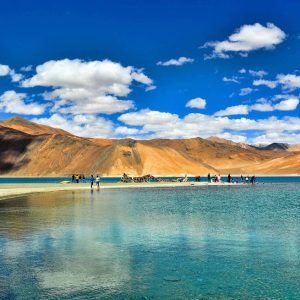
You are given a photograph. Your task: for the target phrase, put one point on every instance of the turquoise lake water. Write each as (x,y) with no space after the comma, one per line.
(260,179)
(211,242)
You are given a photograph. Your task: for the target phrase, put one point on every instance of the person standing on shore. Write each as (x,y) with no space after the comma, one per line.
(92,181)
(98,182)
(229,178)
(208,177)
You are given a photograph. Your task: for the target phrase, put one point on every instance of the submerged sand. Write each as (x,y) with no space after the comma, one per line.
(13,190)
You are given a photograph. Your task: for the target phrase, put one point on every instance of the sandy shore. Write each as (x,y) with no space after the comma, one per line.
(13,190)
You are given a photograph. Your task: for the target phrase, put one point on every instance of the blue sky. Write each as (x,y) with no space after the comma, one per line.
(170,69)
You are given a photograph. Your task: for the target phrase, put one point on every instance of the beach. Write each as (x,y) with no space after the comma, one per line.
(13,190)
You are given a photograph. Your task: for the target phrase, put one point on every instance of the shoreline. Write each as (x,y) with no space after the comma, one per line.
(8,191)
(160,176)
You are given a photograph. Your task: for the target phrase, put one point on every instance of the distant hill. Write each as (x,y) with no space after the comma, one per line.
(228,142)
(276,147)
(26,126)
(30,149)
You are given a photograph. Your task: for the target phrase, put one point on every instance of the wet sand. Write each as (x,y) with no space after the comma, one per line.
(13,190)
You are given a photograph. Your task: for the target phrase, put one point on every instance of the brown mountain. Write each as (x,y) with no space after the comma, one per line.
(26,126)
(29,149)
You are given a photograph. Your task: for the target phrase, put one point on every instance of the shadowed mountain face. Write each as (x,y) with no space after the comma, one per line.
(276,147)
(31,149)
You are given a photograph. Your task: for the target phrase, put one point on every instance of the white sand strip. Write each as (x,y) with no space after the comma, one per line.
(12,190)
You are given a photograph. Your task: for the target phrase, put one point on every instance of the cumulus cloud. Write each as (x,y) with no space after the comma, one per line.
(176,61)
(288,104)
(288,82)
(269,83)
(247,38)
(80,125)
(165,125)
(261,105)
(199,103)
(87,87)
(233,137)
(233,110)
(12,102)
(284,105)
(5,70)
(273,137)
(147,116)
(126,131)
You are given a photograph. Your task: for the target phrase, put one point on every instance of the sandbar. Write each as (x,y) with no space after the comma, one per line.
(18,189)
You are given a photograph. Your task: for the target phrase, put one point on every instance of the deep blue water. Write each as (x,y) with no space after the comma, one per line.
(210,242)
(275,179)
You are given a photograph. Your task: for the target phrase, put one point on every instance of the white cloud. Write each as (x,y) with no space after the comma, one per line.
(248,38)
(12,102)
(151,88)
(233,110)
(88,87)
(273,137)
(245,91)
(260,73)
(4,70)
(80,125)
(199,103)
(233,137)
(86,101)
(233,79)
(176,61)
(15,77)
(269,83)
(263,107)
(289,81)
(157,124)
(286,105)
(126,131)
(147,116)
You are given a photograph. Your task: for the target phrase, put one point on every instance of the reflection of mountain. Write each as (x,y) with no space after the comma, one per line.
(27,148)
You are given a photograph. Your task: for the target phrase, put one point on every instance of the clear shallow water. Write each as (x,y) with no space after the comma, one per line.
(260,179)
(186,243)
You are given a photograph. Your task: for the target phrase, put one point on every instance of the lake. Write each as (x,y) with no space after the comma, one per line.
(209,242)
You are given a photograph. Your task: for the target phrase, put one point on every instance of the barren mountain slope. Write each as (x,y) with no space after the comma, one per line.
(58,153)
(26,126)
(14,147)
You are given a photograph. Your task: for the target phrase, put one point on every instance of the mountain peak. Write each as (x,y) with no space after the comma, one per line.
(30,127)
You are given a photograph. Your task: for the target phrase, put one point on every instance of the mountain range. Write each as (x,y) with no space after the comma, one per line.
(30,149)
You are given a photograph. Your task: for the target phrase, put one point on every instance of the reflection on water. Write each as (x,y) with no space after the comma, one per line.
(208,242)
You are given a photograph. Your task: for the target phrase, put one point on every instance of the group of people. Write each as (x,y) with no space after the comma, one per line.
(81,178)
(230,179)
(78,178)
